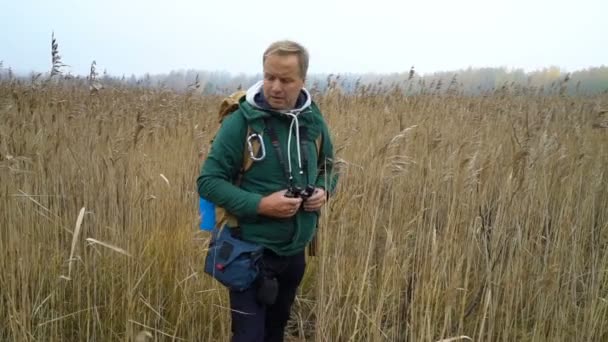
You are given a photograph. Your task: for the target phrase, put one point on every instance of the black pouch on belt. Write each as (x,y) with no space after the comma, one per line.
(268,286)
(268,289)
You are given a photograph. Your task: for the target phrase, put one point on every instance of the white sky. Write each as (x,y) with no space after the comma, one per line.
(138,36)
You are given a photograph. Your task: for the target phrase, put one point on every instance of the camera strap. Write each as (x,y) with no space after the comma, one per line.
(274,139)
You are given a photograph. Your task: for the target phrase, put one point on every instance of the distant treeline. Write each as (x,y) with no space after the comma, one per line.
(471,81)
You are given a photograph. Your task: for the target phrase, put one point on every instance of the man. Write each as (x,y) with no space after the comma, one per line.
(289,125)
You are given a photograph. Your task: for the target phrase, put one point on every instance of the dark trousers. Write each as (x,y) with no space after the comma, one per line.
(255,322)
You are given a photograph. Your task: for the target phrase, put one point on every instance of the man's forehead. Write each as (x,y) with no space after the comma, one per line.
(281,67)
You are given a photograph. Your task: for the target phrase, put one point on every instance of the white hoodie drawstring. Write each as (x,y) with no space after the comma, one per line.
(294,120)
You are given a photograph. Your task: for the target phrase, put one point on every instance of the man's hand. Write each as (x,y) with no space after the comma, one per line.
(316,201)
(279,206)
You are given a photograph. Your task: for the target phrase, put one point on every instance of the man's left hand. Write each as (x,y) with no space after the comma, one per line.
(316,201)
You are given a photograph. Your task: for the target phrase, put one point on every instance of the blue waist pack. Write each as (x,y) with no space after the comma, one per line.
(231,261)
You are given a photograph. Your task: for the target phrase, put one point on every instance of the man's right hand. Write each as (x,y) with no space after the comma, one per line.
(279,206)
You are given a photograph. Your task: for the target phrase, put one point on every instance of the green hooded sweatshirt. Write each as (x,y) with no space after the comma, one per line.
(225,159)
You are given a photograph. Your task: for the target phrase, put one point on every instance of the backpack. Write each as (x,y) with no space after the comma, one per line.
(222,217)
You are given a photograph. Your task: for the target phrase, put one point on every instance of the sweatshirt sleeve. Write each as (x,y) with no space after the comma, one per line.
(327,176)
(222,165)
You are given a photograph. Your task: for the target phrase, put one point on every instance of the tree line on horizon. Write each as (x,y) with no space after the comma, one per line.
(470,81)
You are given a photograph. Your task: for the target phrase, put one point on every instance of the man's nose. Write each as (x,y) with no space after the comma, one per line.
(275,86)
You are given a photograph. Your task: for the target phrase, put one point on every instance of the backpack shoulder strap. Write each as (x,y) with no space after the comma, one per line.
(319,144)
(247,160)
(253,148)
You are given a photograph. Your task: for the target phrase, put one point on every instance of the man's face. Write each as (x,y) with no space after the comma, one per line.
(282,81)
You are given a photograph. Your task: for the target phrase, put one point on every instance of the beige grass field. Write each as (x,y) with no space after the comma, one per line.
(457,218)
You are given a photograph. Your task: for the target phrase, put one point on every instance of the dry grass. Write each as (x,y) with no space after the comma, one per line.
(458,218)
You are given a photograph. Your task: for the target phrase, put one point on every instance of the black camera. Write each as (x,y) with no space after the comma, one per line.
(297,192)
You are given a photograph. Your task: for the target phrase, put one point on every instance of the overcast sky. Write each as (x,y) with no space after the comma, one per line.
(139,36)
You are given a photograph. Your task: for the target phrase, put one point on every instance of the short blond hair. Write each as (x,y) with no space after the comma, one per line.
(288,47)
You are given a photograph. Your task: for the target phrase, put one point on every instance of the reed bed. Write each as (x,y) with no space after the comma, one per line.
(457,218)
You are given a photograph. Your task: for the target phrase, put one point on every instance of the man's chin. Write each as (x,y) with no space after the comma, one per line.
(277,104)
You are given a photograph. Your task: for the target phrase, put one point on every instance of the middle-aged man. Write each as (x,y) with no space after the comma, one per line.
(290,126)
